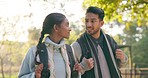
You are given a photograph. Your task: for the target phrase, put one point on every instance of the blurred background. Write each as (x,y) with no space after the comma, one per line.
(125,20)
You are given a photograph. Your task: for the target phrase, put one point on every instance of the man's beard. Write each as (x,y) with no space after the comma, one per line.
(94,32)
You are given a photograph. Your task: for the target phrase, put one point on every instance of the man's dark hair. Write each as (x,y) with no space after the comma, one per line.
(97,11)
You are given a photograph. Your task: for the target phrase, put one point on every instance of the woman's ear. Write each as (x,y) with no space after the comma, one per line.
(55,28)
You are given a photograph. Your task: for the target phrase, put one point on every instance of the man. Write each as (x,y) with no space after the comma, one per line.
(97,53)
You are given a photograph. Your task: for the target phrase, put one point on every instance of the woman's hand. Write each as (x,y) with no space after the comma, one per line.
(39,69)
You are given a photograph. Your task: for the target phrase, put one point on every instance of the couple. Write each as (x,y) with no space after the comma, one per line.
(93,55)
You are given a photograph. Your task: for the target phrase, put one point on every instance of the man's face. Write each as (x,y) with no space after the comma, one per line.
(92,23)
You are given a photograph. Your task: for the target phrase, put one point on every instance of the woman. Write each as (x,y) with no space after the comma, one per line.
(57,27)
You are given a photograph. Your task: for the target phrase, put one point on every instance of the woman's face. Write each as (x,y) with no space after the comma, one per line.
(64,29)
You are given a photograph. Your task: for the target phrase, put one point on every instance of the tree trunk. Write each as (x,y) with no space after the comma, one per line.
(10,69)
(2,70)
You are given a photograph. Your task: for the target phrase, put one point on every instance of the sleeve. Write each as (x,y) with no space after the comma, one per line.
(27,69)
(124,62)
(114,46)
(78,53)
(77,50)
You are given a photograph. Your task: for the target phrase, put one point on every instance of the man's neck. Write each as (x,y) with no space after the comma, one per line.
(96,35)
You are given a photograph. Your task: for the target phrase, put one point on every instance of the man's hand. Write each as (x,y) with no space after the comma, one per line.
(85,65)
(89,62)
(120,54)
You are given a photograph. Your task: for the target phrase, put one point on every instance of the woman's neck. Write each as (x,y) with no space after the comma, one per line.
(55,39)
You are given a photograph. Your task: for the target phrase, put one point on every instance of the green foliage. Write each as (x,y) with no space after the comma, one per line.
(11,54)
(118,40)
(11,51)
(7,76)
(140,52)
(137,37)
(33,35)
(72,38)
(131,34)
(117,10)
(110,7)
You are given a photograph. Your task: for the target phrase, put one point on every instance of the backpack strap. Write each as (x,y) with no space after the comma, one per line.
(74,74)
(112,42)
(114,46)
(70,56)
(43,55)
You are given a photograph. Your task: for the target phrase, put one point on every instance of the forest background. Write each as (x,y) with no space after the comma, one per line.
(21,21)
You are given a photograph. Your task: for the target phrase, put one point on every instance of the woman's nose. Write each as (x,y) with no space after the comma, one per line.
(69,28)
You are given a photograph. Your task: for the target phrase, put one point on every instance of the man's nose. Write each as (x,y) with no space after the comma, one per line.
(88,24)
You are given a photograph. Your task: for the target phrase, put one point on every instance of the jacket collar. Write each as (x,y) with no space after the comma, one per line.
(55,45)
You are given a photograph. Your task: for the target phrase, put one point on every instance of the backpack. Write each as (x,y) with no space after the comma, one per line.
(43,55)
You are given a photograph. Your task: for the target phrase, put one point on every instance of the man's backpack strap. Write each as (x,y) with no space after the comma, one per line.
(112,43)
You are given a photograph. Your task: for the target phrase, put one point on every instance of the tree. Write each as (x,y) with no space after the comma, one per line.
(140,49)
(49,6)
(122,10)
(8,31)
(137,37)
(73,37)
(33,36)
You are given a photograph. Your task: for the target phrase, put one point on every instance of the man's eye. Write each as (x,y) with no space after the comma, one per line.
(93,21)
(86,20)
